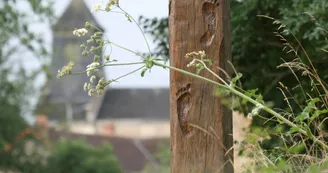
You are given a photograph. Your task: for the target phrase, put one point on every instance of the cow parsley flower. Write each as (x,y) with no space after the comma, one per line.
(67,69)
(89,86)
(91,92)
(192,63)
(92,68)
(93,78)
(101,86)
(110,4)
(85,86)
(98,89)
(80,32)
(255,111)
(199,54)
(96,7)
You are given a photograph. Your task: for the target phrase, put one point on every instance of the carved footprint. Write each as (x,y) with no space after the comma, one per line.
(209,11)
(183,106)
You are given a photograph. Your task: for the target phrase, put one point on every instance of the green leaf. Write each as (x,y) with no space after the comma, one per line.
(317,113)
(281,165)
(221,92)
(295,149)
(305,114)
(235,79)
(315,168)
(259,98)
(143,72)
(292,130)
(209,61)
(199,69)
(252,94)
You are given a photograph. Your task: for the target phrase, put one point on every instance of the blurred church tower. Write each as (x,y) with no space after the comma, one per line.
(65,99)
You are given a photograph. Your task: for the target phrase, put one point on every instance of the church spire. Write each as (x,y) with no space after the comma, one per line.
(66,95)
(76,13)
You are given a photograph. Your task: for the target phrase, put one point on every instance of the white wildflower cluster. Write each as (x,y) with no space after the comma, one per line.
(96,7)
(98,89)
(192,63)
(255,111)
(92,68)
(199,54)
(195,56)
(80,32)
(67,69)
(110,4)
(92,78)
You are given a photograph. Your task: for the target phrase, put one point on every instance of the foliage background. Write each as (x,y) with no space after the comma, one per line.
(79,157)
(16,84)
(21,148)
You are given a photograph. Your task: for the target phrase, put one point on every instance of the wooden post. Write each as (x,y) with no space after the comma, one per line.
(199,25)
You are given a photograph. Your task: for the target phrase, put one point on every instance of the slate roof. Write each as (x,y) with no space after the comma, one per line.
(77,13)
(147,104)
(127,153)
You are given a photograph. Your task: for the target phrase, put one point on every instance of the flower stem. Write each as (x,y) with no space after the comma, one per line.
(124,48)
(129,73)
(249,99)
(116,64)
(123,64)
(143,34)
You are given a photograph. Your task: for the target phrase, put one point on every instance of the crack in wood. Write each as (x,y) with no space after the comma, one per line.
(170,6)
(215,2)
(183,107)
(209,10)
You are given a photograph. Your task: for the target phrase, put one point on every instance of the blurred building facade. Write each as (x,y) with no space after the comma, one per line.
(129,112)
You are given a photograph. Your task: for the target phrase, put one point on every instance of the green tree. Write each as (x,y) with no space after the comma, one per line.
(163,158)
(78,157)
(16,41)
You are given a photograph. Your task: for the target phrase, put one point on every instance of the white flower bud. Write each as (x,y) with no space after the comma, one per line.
(80,32)
(85,87)
(96,7)
(93,78)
